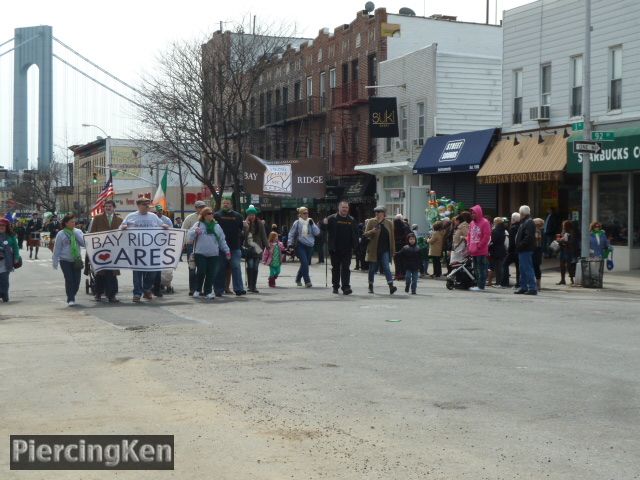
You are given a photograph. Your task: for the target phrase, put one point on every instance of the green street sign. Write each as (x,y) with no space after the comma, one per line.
(603,136)
(577,126)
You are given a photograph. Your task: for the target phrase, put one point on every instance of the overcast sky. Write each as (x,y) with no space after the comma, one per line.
(124,37)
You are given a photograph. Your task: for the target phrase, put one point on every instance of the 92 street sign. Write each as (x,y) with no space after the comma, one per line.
(586,147)
(603,136)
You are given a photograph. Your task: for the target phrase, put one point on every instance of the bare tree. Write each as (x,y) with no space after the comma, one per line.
(198,107)
(37,188)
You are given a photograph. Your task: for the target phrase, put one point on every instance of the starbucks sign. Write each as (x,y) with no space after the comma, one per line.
(623,154)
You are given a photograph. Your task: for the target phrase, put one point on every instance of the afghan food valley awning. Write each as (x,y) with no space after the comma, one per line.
(529,161)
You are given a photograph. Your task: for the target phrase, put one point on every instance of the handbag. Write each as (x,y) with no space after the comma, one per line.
(554,246)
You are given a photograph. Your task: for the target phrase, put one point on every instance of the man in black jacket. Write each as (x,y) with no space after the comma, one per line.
(512,255)
(525,246)
(232,225)
(343,240)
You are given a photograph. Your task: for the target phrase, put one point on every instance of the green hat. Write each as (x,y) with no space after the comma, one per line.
(251,210)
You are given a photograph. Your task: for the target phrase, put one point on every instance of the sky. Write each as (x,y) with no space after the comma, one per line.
(125,37)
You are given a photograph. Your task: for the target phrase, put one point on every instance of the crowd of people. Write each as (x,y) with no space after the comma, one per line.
(216,242)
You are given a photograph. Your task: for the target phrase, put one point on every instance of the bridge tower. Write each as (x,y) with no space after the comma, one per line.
(33,46)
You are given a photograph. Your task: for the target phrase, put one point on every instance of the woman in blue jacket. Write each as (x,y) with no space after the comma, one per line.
(302,235)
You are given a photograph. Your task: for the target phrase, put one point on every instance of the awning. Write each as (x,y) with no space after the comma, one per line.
(356,189)
(464,152)
(391,168)
(529,161)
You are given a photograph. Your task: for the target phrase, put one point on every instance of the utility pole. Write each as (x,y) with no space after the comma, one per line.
(586,157)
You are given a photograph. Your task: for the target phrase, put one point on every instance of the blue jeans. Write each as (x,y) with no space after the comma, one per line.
(527,275)
(373,268)
(236,272)
(411,279)
(72,277)
(142,282)
(304,253)
(480,266)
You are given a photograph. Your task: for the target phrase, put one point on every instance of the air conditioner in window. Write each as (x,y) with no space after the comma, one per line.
(540,114)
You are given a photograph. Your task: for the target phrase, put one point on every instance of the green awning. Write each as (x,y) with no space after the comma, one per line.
(622,154)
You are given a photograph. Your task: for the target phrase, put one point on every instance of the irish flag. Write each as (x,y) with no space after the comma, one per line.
(160,198)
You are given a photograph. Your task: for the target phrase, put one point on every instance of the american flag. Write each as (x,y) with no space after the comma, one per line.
(107,191)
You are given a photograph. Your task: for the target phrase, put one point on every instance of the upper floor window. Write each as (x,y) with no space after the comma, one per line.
(517,97)
(615,78)
(545,84)
(576,85)
(403,127)
(421,123)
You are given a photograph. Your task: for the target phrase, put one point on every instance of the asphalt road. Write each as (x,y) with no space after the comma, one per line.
(300,383)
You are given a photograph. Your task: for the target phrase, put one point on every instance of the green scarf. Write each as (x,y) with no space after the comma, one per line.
(211,228)
(75,248)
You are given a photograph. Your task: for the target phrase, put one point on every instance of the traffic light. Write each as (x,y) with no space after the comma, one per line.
(94,180)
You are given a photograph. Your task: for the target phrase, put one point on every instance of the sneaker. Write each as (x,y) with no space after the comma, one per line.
(148,295)
(392,289)
(413,292)
(531,292)
(308,285)
(136,299)
(475,289)
(336,290)
(211,296)
(71,304)
(347,291)
(520,291)
(196,294)
(299,283)
(240,293)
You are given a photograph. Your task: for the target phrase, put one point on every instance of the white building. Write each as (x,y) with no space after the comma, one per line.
(451,84)
(543,82)
(136,172)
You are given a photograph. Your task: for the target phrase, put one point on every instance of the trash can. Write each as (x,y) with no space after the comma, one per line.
(592,272)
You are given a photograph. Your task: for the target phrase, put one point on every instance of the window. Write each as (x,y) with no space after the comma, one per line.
(387,145)
(309,147)
(576,85)
(332,84)
(403,126)
(517,97)
(421,124)
(332,149)
(613,207)
(545,85)
(309,94)
(323,89)
(615,78)
(393,193)
(323,147)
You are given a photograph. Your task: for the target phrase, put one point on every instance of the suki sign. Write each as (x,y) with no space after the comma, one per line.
(147,249)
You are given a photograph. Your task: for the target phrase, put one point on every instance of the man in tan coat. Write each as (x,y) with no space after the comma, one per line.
(380,232)
(106,280)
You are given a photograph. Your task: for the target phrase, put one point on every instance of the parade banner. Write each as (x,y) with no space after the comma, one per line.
(383,117)
(147,249)
(284,178)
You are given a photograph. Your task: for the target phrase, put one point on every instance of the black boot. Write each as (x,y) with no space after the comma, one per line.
(253,280)
(371,288)
(392,289)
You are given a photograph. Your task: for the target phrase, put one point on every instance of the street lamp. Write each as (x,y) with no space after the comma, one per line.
(86,125)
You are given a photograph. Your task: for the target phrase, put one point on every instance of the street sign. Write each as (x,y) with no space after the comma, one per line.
(603,136)
(577,126)
(586,147)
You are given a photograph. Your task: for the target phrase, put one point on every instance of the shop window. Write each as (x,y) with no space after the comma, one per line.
(636,210)
(613,207)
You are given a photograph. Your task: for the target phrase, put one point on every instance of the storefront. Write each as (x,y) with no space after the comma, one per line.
(615,188)
(453,162)
(529,170)
(358,190)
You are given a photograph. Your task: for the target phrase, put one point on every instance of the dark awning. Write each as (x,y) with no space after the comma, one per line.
(463,152)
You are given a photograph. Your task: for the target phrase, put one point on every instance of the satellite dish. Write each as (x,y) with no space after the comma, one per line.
(407,11)
(369,7)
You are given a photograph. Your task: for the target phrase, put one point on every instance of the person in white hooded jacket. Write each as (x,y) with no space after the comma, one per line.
(208,242)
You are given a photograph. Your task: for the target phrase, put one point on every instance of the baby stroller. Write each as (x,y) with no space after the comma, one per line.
(461,276)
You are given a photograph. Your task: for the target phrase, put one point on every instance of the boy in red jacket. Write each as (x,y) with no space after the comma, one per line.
(478,240)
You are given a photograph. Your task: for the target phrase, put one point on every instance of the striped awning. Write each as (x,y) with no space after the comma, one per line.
(529,161)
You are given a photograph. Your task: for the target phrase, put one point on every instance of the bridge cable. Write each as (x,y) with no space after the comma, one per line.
(19,45)
(4,43)
(97,66)
(96,81)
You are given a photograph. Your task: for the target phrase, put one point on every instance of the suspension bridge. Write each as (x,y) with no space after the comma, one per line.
(53,96)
